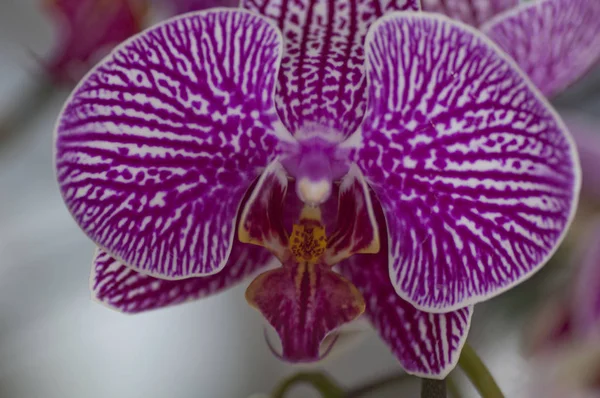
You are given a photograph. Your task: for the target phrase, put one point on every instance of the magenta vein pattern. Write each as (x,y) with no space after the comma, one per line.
(322,82)
(472,12)
(554,41)
(124,289)
(476,174)
(426,344)
(157,146)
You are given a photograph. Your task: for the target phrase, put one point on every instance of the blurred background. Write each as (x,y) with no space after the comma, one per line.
(56,343)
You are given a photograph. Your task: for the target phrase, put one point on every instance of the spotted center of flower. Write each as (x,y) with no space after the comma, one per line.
(308,240)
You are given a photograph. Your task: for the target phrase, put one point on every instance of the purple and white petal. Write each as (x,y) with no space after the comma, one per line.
(554,41)
(586,132)
(157,145)
(476,173)
(124,289)
(586,300)
(261,221)
(472,12)
(356,228)
(322,85)
(426,344)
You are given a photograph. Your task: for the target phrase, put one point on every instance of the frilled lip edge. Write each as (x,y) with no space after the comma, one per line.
(323,354)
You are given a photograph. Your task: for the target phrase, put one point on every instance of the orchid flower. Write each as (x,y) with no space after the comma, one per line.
(183,6)
(565,333)
(574,314)
(404,150)
(571,372)
(472,12)
(88,30)
(586,132)
(554,41)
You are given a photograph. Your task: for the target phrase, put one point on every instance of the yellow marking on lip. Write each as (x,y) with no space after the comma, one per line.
(308,242)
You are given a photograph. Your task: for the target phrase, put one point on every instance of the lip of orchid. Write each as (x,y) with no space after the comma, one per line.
(305,300)
(300,357)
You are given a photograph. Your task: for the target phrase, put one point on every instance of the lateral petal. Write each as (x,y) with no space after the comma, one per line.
(478,176)
(158,144)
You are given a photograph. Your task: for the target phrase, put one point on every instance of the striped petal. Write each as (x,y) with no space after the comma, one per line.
(476,173)
(124,289)
(321,85)
(157,145)
(554,41)
(472,12)
(426,344)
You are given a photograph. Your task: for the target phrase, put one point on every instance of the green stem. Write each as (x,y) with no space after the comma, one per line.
(320,382)
(453,389)
(477,372)
(433,388)
(377,384)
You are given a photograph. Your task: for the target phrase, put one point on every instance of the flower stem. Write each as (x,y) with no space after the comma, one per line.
(433,388)
(320,382)
(453,389)
(478,373)
(377,384)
